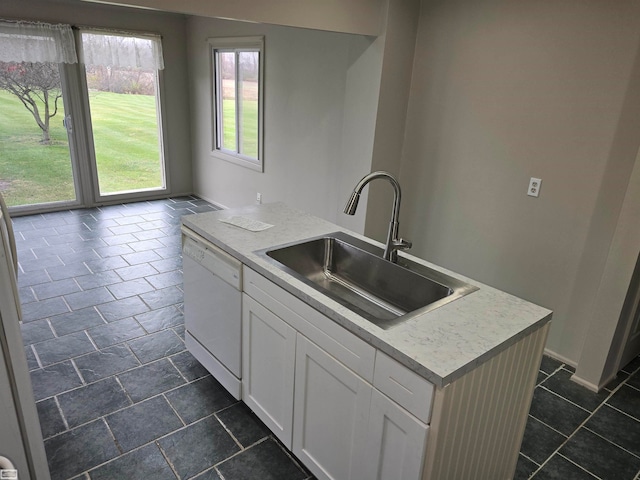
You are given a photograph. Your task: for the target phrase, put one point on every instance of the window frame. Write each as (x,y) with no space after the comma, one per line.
(236,44)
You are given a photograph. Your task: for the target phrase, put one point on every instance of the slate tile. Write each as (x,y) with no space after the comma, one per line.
(115,332)
(266,461)
(29,265)
(549,365)
(150,380)
(55,288)
(561,384)
(130,288)
(524,468)
(34,332)
(80,449)
(156,345)
(189,366)
(63,348)
(113,251)
(68,271)
(540,441)
(626,399)
(99,279)
(88,298)
(43,309)
(120,236)
(632,366)
(556,412)
(163,298)
(145,245)
(32,361)
(169,263)
(243,424)
(600,457)
(106,362)
(616,427)
(143,422)
(141,257)
(143,464)
(168,279)
(92,401)
(105,264)
(124,308)
(200,398)
(29,279)
(51,421)
(160,319)
(190,455)
(559,468)
(136,271)
(54,379)
(76,321)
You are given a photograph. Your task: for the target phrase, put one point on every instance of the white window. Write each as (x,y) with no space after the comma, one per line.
(237,72)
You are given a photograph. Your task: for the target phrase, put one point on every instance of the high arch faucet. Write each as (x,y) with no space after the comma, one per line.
(393,243)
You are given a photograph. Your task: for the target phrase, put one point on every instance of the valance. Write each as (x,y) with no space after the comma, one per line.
(36,42)
(117,50)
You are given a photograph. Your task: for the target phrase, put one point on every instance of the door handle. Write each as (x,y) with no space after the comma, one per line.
(66,122)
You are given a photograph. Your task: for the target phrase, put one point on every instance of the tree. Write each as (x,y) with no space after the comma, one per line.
(37,85)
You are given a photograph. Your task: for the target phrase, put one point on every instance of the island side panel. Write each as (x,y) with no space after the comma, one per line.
(478,420)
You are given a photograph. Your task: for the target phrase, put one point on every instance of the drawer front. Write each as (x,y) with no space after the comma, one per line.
(405,387)
(352,351)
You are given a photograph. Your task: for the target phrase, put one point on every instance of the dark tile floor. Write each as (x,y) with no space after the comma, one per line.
(120,397)
(117,393)
(573,433)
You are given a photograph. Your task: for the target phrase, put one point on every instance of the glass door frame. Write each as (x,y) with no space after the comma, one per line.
(91,184)
(70,101)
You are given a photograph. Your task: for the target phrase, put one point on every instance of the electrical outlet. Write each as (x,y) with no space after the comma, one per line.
(258,198)
(534,187)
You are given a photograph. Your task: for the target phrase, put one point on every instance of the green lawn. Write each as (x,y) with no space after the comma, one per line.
(126,143)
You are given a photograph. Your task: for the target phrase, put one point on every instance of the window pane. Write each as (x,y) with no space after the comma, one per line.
(248,84)
(227,85)
(35,162)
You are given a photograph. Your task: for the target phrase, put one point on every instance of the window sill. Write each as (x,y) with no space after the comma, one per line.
(238,160)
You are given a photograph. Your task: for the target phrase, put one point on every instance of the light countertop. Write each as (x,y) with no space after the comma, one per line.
(440,345)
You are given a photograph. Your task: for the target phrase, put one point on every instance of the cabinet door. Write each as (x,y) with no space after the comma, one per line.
(330,415)
(268,350)
(396,442)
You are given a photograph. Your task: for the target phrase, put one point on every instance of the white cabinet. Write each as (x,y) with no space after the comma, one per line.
(395,442)
(331,412)
(269,349)
(312,383)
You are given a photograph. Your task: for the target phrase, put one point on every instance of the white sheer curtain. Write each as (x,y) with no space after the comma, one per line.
(36,42)
(120,50)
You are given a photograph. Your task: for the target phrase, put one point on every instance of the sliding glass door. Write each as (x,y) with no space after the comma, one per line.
(74,134)
(121,75)
(35,161)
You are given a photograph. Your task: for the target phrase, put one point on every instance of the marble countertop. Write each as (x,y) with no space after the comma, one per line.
(440,345)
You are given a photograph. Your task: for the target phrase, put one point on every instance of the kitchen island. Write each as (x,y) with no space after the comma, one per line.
(444,394)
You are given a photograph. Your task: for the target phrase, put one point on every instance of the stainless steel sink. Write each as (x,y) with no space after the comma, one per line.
(353,273)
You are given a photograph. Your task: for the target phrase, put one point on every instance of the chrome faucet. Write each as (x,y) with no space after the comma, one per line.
(393,242)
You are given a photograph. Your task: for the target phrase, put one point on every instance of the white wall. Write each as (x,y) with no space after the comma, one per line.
(311,136)
(504,90)
(172,29)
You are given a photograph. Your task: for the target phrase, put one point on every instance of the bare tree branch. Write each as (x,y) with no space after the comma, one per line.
(34,84)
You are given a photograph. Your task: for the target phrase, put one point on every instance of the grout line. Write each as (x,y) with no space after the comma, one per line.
(569,437)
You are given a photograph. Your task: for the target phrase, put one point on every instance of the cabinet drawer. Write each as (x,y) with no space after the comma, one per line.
(407,388)
(352,351)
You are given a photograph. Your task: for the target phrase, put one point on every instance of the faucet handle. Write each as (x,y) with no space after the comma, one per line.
(402,244)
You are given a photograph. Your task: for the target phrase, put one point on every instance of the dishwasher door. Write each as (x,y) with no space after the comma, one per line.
(213,310)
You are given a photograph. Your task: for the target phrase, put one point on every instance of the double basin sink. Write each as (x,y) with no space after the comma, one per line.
(353,273)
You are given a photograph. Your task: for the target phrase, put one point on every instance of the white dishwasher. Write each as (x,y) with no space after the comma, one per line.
(213,309)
